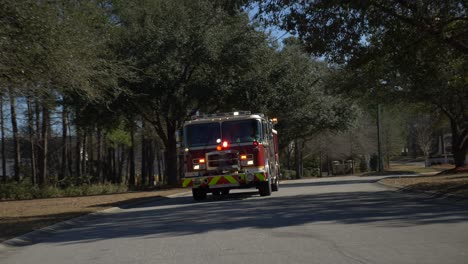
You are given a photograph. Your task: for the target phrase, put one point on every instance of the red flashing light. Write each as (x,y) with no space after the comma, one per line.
(243,157)
(255,143)
(224,145)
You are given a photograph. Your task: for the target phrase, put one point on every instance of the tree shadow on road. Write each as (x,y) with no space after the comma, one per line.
(182,216)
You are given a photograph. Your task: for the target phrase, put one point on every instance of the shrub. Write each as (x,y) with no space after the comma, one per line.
(363,165)
(25,190)
(314,172)
(48,192)
(289,174)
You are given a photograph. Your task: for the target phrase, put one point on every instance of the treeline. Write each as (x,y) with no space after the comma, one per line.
(389,52)
(105,85)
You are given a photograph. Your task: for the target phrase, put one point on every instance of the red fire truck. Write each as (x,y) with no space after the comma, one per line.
(223,151)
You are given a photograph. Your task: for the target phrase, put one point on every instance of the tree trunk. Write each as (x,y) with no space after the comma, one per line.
(90,165)
(32,141)
(114,167)
(159,163)
(121,161)
(64,166)
(302,157)
(320,162)
(70,151)
(16,142)
(107,165)
(84,152)
(171,155)
(107,168)
(143,154)
(99,155)
(379,139)
(459,143)
(44,150)
(151,162)
(2,129)
(131,156)
(297,159)
(78,153)
(38,140)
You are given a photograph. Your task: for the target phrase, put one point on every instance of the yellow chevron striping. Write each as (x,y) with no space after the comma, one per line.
(214,180)
(260,176)
(186,182)
(231,179)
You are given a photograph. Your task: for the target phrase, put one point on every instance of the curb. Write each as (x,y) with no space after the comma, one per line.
(36,235)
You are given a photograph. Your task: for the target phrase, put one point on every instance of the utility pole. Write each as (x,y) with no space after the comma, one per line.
(379,138)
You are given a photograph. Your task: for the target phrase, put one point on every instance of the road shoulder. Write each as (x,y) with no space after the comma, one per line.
(23,222)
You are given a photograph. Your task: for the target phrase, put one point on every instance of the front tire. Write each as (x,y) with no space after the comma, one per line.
(264,189)
(198,194)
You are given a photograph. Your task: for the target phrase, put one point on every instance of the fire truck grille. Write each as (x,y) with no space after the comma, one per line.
(222,160)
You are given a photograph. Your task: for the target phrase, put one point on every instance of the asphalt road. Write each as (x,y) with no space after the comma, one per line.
(332,220)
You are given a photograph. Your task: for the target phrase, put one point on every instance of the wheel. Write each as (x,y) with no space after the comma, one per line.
(264,188)
(198,194)
(275,186)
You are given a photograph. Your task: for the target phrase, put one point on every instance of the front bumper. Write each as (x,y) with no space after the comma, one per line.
(224,181)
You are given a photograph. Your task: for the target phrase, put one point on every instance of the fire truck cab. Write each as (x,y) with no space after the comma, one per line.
(223,151)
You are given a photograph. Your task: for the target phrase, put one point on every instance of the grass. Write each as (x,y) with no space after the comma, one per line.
(410,169)
(397,167)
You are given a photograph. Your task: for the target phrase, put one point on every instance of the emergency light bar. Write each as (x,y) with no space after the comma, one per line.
(236,113)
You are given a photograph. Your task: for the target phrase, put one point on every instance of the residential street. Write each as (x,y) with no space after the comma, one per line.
(330,220)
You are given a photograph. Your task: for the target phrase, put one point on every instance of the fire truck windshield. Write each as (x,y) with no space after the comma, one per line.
(238,131)
(205,134)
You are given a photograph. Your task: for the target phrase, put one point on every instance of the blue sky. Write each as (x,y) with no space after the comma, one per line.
(276,34)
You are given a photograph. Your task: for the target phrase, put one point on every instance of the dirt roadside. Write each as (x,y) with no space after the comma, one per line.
(441,180)
(21,217)
(455,185)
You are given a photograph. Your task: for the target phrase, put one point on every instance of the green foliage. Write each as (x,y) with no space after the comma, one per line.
(186,56)
(301,103)
(389,50)
(54,45)
(110,64)
(16,191)
(25,190)
(289,174)
(363,165)
(118,136)
(311,172)
(343,29)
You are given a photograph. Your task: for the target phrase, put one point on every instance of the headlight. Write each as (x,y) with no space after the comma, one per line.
(250,177)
